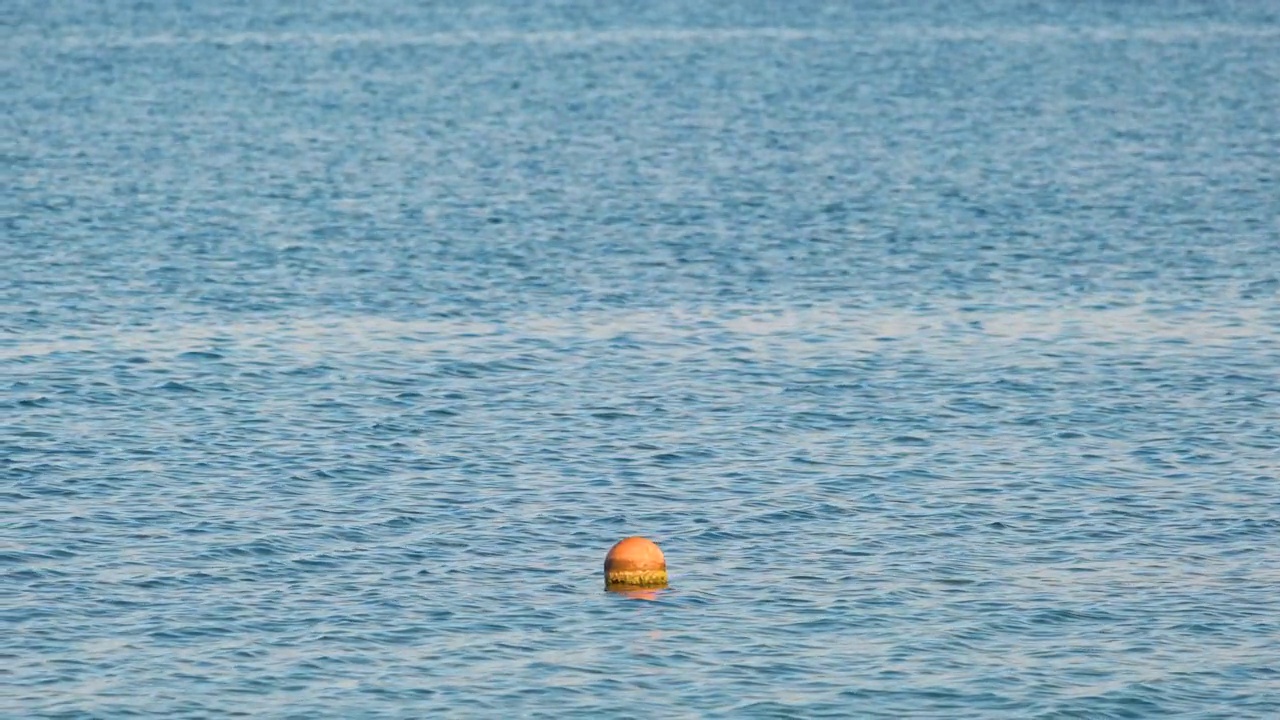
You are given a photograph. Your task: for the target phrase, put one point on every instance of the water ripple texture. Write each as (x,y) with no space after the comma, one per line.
(937,344)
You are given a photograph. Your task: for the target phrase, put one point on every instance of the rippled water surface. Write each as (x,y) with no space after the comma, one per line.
(938,345)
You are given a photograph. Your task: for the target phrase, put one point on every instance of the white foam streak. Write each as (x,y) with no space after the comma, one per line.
(707,36)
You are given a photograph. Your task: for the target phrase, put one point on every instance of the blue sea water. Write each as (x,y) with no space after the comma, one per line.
(938,345)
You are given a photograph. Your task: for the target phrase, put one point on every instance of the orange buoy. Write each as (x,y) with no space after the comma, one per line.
(635,562)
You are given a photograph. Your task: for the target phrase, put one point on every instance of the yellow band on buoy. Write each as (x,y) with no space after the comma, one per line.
(635,579)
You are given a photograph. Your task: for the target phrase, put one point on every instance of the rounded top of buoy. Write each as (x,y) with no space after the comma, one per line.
(635,553)
(635,562)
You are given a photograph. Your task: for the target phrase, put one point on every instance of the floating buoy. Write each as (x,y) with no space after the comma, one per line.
(635,562)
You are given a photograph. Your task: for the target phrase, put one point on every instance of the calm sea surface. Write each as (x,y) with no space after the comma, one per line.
(938,345)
